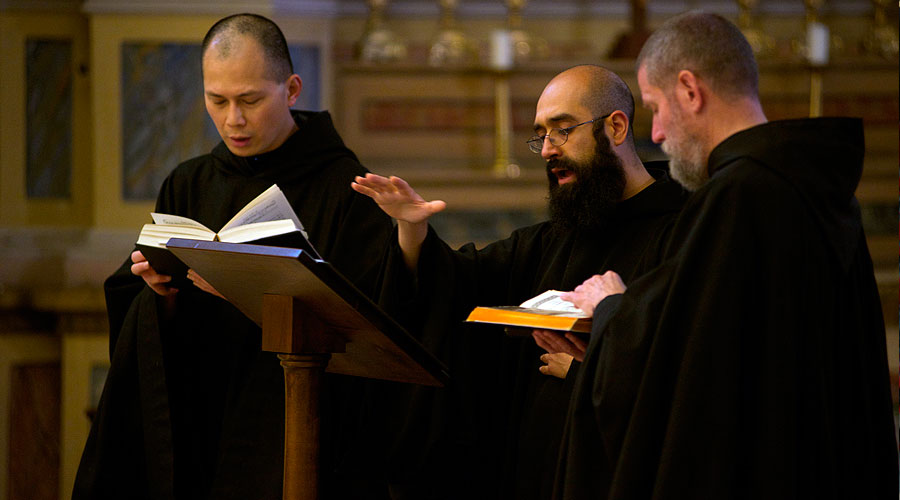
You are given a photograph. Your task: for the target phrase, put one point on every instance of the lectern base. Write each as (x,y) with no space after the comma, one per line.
(302,382)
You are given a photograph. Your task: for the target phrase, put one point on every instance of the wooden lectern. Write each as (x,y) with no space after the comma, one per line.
(316,321)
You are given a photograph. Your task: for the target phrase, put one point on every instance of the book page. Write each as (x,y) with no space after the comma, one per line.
(270,205)
(256,231)
(159,234)
(551,301)
(177,220)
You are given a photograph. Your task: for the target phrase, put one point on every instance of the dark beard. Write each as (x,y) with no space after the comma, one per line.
(598,187)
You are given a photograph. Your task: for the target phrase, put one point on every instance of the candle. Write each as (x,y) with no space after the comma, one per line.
(501,49)
(817,43)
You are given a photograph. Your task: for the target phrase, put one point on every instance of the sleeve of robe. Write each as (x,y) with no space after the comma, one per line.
(133,445)
(433,429)
(737,368)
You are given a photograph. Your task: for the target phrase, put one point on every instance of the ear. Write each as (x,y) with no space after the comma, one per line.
(689,91)
(618,122)
(293,86)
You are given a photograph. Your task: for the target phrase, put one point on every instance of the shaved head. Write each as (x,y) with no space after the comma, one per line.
(230,33)
(600,90)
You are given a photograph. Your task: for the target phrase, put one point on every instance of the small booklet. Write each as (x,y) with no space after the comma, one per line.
(547,311)
(267,220)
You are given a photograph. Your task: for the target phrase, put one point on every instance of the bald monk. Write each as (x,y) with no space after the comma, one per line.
(495,431)
(192,408)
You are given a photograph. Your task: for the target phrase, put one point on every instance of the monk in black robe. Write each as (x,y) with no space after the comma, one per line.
(495,431)
(192,408)
(751,363)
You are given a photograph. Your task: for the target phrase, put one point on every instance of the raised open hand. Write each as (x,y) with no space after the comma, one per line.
(397,198)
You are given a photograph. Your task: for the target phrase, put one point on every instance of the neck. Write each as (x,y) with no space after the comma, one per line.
(729,118)
(636,176)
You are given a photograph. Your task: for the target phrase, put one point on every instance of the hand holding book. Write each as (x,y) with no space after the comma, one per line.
(547,311)
(587,295)
(555,342)
(159,283)
(267,220)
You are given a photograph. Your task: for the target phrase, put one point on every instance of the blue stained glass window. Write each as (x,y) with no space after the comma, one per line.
(48,118)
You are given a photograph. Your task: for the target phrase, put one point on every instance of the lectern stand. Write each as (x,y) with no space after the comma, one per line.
(317,321)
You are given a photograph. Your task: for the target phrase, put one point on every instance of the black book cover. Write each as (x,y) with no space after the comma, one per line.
(163,261)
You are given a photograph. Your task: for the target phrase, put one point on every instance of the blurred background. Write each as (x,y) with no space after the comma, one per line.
(100,99)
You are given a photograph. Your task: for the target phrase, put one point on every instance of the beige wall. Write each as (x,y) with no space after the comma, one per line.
(54,255)
(15,210)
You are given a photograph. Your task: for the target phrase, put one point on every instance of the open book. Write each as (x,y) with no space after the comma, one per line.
(267,220)
(546,311)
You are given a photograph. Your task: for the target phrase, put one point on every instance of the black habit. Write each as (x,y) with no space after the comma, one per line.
(495,431)
(192,408)
(751,363)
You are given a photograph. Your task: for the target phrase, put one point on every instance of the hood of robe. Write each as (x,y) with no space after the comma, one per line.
(314,146)
(822,158)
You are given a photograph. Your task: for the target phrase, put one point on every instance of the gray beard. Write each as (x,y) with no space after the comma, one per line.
(687,164)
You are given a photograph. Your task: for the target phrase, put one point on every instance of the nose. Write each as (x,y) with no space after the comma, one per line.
(235,117)
(548,150)
(656,133)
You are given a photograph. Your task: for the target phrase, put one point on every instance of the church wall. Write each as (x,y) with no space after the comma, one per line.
(15,208)
(402,118)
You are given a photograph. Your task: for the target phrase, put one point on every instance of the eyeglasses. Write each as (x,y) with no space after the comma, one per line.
(556,136)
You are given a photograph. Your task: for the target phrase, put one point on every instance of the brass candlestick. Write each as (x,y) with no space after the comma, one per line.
(763,45)
(504,164)
(379,44)
(881,39)
(525,47)
(451,46)
(818,41)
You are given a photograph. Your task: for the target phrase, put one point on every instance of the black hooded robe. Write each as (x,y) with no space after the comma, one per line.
(495,430)
(751,363)
(192,408)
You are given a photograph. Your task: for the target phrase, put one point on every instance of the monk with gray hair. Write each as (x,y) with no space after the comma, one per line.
(751,363)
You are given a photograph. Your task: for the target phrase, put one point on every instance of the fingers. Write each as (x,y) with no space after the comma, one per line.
(577,341)
(546,369)
(361,188)
(140,268)
(399,184)
(157,282)
(380,184)
(202,284)
(539,339)
(372,185)
(436,206)
(612,275)
(144,270)
(555,343)
(556,365)
(579,347)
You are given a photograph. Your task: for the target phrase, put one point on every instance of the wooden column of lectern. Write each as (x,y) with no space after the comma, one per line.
(302,342)
(316,321)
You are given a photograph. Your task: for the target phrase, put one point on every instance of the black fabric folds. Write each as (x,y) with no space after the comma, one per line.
(752,362)
(494,431)
(192,408)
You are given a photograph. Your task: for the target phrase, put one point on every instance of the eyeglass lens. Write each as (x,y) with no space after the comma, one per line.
(556,136)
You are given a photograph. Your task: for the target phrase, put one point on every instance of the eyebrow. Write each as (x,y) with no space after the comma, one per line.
(243,94)
(555,119)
